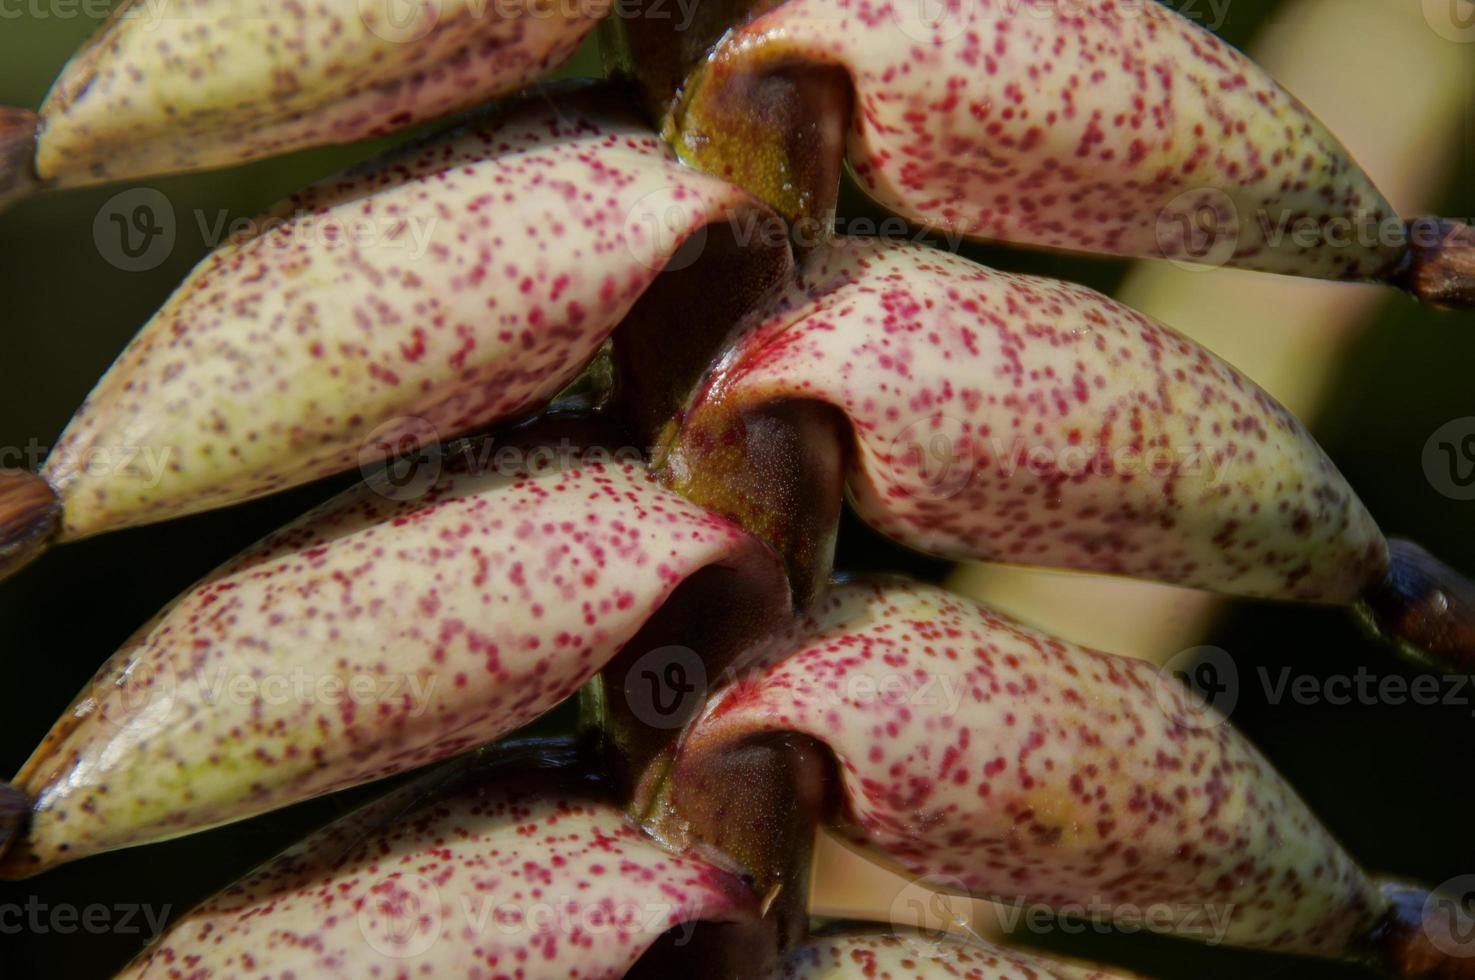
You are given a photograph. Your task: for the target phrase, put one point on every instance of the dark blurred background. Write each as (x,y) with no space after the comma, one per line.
(1392,782)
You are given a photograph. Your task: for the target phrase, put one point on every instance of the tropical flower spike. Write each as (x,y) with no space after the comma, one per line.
(525,849)
(433,618)
(1117,127)
(675,534)
(985,416)
(174,87)
(978,754)
(515,245)
(1112,127)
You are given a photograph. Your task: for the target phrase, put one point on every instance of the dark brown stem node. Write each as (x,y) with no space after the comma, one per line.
(777,129)
(778,470)
(757,805)
(14,809)
(1425,607)
(705,632)
(659,52)
(30,513)
(1439,267)
(18,129)
(681,326)
(770,119)
(1424,935)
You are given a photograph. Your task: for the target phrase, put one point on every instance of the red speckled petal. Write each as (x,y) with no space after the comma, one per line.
(1012,764)
(1115,127)
(1000,417)
(462,281)
(916,957)
(191,84)
(516,873)
(372,636)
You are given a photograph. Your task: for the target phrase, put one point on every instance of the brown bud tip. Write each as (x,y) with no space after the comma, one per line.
(1439,267)
(1425,935)
(13,809)
(1425,607)
(29,515)
(776,129)
(18,128)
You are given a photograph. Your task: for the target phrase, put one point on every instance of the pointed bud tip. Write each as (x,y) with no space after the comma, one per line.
(1425,607)
(1440,265)
(29,515)
(1417,937)
(18,130)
